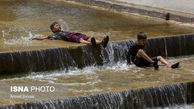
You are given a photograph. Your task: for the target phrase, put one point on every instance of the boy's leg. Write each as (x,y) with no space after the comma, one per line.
(142,54)
(89,41)
(98,42)
(92,41)
(85,42)
(162,60)
(105,41)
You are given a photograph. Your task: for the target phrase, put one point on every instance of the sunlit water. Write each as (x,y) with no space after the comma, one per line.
(23,19)
(97,79)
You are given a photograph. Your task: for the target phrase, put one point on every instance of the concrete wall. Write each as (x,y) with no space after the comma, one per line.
(148,11)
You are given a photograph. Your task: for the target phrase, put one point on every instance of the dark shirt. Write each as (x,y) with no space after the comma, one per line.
(59,36)
(131,54)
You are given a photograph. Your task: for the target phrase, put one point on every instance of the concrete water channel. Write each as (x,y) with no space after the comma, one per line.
(23,19)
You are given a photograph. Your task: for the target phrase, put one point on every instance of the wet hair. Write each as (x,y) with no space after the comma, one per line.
(53,24)
(141,35)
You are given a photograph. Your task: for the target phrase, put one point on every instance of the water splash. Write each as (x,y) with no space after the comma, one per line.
(18,36)
(64,25)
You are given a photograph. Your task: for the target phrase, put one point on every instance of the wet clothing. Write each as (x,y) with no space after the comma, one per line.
(132,52)
(59,36)
(141,62)
(75,37)
(68,36)
(131,56)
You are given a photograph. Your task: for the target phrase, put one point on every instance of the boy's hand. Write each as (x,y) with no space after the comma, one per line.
(32,38)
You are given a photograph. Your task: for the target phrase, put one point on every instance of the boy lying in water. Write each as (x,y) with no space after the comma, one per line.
(72,37)
(137,55)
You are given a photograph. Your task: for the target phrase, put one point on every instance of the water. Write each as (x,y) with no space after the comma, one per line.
(191,106)
(24,19)
(92,80)
(27,18)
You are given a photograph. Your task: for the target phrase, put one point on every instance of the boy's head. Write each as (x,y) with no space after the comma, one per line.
(141,38)
(55,27)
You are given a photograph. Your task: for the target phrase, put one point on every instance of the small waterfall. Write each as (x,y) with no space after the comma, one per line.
(162,96)
(115,52)
(82,56)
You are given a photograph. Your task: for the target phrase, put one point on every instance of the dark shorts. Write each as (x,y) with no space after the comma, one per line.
(75,37)
(141,62)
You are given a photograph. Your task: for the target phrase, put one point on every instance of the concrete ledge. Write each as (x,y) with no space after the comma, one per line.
(161,96)
(82,56)
(148,11)
(190,94)
(171,46)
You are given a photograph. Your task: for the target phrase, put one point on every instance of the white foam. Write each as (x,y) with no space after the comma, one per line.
(119,66)
(18,38)
(185,106)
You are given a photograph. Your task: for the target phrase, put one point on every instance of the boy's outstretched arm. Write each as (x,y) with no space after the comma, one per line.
(39,38)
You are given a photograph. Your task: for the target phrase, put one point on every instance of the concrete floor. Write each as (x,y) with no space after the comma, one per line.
(185,6)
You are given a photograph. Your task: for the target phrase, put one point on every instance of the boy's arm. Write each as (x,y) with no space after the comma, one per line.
(39,38)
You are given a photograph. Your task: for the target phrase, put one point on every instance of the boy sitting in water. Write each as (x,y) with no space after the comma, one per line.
(137,55)
(72,37)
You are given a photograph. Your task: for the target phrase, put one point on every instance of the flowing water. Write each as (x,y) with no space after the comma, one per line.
(23,19)
(177,107)
(93,80)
